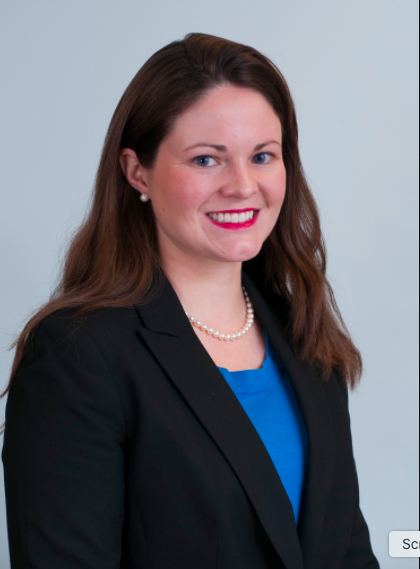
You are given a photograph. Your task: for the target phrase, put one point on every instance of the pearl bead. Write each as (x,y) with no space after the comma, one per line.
(228,337)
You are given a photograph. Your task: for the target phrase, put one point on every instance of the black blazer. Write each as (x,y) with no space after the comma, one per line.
(125,448)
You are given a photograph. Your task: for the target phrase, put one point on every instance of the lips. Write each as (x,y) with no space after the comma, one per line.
(234,219)
(233,216)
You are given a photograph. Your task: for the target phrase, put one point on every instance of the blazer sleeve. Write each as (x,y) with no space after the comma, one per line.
(63,455)
(359,553)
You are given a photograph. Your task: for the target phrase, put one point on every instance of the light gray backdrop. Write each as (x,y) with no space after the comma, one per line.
(352,68)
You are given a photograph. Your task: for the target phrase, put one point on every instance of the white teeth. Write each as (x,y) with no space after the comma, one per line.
(232,217)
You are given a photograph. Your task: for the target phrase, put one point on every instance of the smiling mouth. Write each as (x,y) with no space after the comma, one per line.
(233,216)
(234,219)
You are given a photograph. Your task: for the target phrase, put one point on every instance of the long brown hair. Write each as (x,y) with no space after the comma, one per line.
(112,260)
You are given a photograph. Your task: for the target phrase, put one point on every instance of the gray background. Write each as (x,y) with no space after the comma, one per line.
(352,68)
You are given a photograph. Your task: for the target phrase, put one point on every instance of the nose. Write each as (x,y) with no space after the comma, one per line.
(240,183)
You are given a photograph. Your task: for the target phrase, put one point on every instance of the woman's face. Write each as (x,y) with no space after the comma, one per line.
(220,165)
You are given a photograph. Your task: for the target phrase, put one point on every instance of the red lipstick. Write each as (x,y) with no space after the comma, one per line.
(236,226)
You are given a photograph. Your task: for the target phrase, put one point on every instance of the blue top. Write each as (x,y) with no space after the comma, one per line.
(270,403)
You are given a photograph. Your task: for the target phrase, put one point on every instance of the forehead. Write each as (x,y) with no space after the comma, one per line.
(228,113)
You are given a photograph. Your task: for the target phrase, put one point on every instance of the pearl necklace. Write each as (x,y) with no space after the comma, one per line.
(237,335)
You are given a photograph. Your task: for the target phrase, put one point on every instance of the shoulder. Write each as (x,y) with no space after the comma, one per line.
(69,362)
(69,323)
(64,384)
(67,333)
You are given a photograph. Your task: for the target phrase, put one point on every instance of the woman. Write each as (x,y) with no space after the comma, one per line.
(181,401)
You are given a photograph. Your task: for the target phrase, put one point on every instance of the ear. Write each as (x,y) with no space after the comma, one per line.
(134,172)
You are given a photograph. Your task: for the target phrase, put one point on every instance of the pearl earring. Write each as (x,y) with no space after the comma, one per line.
(144,198)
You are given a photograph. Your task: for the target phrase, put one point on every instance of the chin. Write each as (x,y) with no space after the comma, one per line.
(242,254)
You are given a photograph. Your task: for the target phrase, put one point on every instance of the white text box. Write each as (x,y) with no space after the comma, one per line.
(404,544)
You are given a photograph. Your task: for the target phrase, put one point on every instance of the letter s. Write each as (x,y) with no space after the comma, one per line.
(407,544)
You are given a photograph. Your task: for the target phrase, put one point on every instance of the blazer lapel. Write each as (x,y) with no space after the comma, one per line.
(309,391)
(175,345)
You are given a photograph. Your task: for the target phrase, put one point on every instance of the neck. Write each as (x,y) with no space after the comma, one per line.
(210,291)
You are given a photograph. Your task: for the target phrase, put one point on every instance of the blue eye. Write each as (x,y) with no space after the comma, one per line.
(203,161)
(261,158)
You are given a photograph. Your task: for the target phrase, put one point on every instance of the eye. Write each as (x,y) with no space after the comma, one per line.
(262,158)
(204,161)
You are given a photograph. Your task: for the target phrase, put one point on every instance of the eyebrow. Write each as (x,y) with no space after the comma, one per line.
(222,148)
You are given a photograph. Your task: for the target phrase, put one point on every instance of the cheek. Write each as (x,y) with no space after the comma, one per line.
(283,185)
(278,190)
(181,191)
